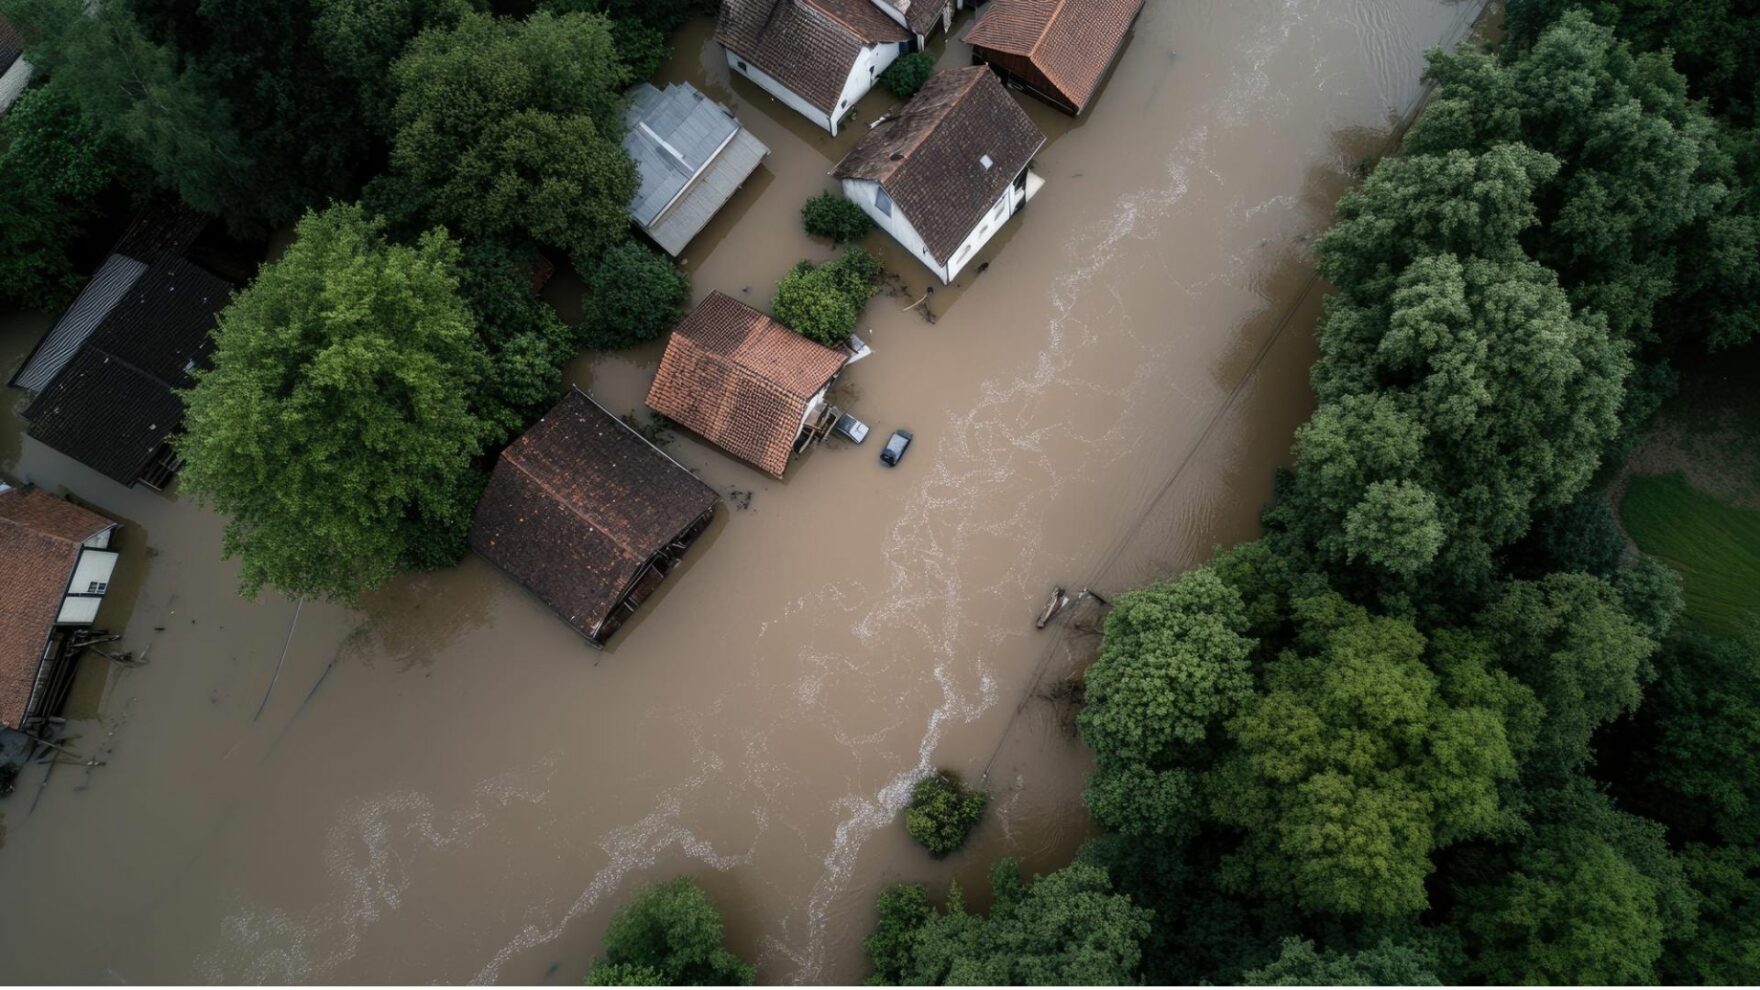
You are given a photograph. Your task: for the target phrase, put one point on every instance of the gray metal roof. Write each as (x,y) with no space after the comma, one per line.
(678,139)
(109,284)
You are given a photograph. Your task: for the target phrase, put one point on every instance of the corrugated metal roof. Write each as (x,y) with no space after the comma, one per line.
(673,134)
(109,284)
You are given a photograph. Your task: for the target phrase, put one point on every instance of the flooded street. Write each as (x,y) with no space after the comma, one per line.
(448,785)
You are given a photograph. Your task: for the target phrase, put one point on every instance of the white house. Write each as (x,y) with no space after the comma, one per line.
(921,17)
(820,57)
(946,172)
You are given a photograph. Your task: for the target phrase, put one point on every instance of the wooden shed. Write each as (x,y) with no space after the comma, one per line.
(589,516)
(1058,50)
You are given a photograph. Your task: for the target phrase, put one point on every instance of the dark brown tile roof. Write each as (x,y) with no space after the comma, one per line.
(929,157)
(921,15)
(115,403)
(810,46)
(741,380)
(1073,42)
(577,507)
(40,536)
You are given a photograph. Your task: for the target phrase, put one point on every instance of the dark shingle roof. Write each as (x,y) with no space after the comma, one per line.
(1073,42)
(11,45)
(40,538)
(809,46)
(929,157)
(577,507)
(115,404)
(741,380)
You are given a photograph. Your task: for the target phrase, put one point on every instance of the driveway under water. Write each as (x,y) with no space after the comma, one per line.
(447,785)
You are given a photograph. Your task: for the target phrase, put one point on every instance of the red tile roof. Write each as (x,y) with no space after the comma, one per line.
(1073,42)
(921,15)
(741,380)
(929,157)
(810,46)
(577,507)
(40,537)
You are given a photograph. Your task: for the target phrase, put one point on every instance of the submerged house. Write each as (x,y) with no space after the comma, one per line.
(55,567)
(106,374)
(15,72)
(1058,50)
(691,156)
(819,57)
(746,383)
(921,17)
(946,172)
(589,516)
(112,401)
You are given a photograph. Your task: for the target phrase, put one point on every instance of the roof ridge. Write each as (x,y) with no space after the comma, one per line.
(833,18)
(1056,12)
(940,118)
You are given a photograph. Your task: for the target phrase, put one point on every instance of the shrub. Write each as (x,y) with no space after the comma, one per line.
(633,296)
(831,216)
(908,74)
(942,813)
(669,936)
(822,302)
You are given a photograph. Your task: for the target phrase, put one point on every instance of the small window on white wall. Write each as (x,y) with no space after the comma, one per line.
(999,208)
(882,202)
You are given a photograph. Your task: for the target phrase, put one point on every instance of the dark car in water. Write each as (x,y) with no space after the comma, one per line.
(895,447)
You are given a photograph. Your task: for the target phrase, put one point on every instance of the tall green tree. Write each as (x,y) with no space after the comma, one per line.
(1590,896)
(670,935)
(1066,928)
(1356,764)
(1387,963)
(54,165)
(140,93)
(513,128)
(335,429)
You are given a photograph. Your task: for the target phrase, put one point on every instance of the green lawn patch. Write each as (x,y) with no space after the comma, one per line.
(1715,546)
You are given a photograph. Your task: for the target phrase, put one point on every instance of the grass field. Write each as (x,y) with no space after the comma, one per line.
(1715,547)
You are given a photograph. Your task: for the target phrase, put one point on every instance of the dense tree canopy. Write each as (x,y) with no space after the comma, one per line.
(512,128)
(335,428)
(54,165)
(670,935)
(1066,928)
(1384,964)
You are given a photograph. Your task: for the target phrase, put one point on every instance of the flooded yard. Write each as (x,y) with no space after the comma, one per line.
(449,785)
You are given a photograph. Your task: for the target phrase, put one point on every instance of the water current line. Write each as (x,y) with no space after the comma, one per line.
(1458,32)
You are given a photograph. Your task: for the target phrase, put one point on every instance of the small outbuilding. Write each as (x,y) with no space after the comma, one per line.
(589,516)
(819,57)
(1058,50)
(112,404)
(56,563)
(745,383)
(946,172)
(691,156)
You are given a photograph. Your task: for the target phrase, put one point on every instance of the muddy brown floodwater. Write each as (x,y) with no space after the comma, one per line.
(469,792)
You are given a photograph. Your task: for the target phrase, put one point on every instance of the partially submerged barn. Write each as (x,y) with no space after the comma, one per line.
(691,156)
(55,568)
(107,373)
(589,516)
(1058,50)
(745,382)
(946,172)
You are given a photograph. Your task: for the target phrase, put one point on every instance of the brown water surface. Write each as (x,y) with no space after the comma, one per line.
(448,785)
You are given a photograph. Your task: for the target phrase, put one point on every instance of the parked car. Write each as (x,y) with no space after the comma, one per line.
(851,428)
(895,447)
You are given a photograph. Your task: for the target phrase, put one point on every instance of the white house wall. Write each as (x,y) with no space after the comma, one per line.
(768,84)
(94,568)
(861,192)
(869,64)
